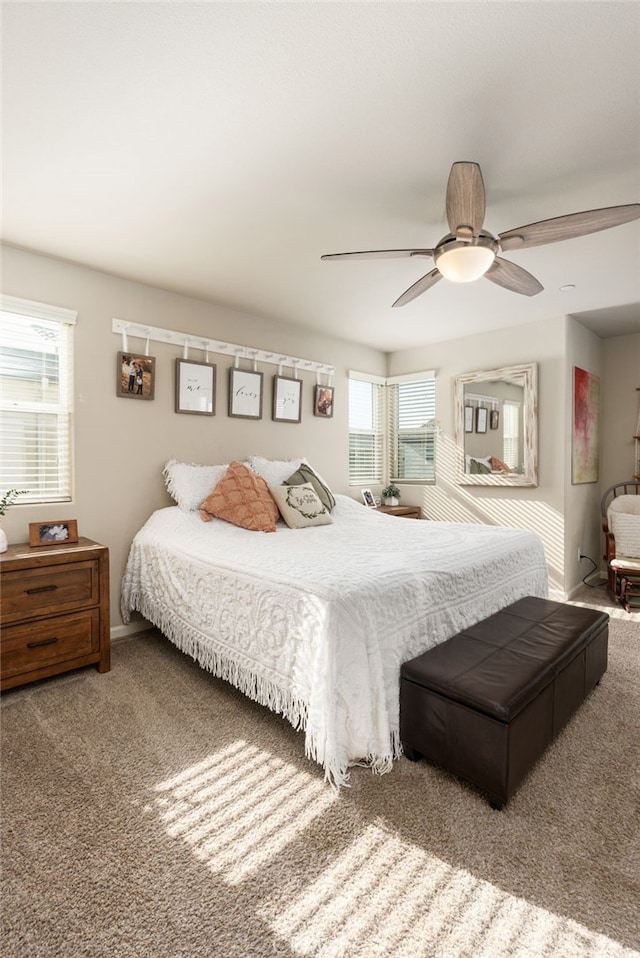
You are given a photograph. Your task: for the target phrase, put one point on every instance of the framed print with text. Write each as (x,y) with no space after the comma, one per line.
(287,399)
(195,387)
(245,393)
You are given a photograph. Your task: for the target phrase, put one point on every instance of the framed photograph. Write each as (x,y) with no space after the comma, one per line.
(481,419)
(135,376)
(195,387)
(367,498)
(54,533)
(245,393)
(494,419)
(468,418)
(323,401)
(287,399)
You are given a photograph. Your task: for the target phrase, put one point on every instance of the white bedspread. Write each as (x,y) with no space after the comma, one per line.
(315,623)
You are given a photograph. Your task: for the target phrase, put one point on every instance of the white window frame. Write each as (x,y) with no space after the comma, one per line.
(376,434)
(35,477)
(389,455)
(424,432)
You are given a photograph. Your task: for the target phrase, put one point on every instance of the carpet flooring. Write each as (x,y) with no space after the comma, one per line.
(154,811)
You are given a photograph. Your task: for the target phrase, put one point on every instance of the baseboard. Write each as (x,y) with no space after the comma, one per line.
(557,595)
(122,631)
(595,579)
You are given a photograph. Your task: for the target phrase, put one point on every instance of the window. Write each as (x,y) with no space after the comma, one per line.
(407,444)
(510,433)
(366,428)
(36,393)
(411,435)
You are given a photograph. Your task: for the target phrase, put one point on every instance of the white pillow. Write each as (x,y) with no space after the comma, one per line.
(300,506)
(274,471)
(189,483)
(625,503)
(626,531)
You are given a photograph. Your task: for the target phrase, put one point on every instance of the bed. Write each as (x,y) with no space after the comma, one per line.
(315,622)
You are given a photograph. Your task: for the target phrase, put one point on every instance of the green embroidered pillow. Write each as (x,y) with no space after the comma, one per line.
(300,506)
(305,474)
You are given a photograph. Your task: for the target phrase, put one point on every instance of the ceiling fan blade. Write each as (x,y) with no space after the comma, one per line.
(568,227)
(465,198)
(507,274)
(422,285)
(379,254)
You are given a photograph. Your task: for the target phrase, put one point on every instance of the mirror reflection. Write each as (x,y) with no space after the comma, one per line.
(496,426)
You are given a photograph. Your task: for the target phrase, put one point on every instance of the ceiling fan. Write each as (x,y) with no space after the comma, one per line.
(469,251)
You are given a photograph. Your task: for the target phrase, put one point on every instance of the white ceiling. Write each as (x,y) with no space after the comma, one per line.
(218,149)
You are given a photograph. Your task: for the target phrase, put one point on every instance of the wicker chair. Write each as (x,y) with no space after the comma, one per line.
(620,513)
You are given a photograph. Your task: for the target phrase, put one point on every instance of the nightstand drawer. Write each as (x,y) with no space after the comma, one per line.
(36,645)
(405,512)
(43,591)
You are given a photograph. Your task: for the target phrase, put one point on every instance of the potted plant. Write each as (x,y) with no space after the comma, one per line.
(391,495)
(5,502)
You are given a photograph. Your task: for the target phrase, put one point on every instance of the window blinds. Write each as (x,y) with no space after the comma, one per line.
(411,437)
(36,393)
(366,429)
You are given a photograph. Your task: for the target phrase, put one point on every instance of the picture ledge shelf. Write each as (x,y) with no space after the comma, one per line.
(189,341)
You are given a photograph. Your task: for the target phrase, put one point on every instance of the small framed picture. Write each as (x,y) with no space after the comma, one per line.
(136,376)
(323,401)
(55,533)
(367,498)
(195,387)
(287,399)
(481,419)
(494,419)
(245,393)
(468,418)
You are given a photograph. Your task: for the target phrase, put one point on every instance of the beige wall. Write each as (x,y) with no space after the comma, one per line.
(566,516)
(539,509)
(621,404)
(617,362)
(121,444)
(582,501)
(620,409)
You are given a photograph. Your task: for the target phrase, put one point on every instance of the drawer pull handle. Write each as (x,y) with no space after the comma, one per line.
(41,588)
(37,645)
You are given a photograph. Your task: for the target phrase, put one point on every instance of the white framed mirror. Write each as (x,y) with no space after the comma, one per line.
(497,427)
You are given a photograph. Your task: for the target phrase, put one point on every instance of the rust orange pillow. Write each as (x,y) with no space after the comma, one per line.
(243,498)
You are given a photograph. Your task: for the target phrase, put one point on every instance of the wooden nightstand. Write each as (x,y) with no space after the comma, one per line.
(407,512)
(55,610)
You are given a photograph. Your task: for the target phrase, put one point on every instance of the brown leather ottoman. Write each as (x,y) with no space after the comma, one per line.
(486,703)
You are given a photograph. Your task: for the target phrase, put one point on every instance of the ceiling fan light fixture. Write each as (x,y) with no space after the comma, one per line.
(462,261)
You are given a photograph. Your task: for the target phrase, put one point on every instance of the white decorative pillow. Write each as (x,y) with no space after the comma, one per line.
(273,471)
(626,531)
(300,506)
(626,503)
(189,483)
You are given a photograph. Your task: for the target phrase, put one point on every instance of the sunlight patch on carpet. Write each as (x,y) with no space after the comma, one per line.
(240,808)
(402,901)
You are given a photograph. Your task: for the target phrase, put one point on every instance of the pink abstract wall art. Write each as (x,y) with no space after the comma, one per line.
(586,426)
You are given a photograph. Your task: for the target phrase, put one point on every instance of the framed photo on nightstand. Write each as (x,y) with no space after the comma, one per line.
(367,498)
